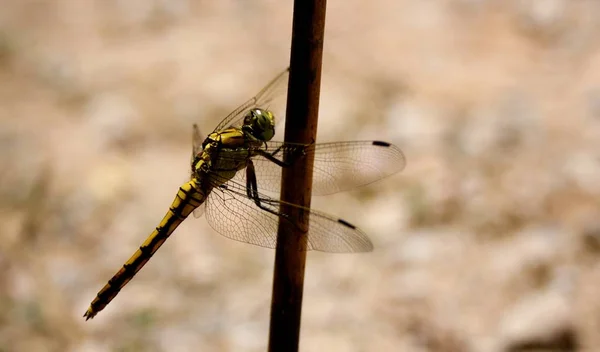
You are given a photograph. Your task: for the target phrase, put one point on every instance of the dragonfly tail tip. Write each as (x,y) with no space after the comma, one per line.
(89,314)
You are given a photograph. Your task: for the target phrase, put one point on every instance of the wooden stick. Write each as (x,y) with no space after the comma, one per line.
(301,127)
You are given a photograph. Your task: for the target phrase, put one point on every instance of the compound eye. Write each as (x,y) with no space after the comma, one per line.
(264,125)
(250,117)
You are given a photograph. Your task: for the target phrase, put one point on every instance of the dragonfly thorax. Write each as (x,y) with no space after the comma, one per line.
(259,124)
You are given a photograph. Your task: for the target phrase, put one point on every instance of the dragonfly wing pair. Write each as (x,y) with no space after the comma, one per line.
(338,166)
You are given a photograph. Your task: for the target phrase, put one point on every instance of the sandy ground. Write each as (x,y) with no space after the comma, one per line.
(488,241)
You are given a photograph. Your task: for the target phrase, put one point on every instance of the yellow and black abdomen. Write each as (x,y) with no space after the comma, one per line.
(187,199)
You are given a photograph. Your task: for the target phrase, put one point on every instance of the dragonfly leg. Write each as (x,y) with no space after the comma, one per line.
(252,191)
(295,153)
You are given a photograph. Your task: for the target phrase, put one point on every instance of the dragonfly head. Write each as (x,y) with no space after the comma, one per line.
(260,124)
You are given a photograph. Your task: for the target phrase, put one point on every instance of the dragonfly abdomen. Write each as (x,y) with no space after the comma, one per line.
(187,199)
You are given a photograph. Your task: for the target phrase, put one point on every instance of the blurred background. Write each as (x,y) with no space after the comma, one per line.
(488,241)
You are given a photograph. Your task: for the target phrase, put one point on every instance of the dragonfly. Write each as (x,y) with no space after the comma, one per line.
(236,176)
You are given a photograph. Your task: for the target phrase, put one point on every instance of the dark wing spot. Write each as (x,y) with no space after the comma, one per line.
(381,144)
(347,224)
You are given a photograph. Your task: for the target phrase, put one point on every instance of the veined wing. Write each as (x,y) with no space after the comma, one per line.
(231,213)
(338,166)
(197,140)
(276,88)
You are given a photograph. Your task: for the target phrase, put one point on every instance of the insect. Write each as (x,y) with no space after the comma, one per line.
(237,163)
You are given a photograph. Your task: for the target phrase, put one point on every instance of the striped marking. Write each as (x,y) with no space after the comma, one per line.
(186,200)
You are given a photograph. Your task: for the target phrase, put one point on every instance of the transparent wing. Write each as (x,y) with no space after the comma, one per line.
(232,214)
(197,140)
(338,166)
(272,91)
